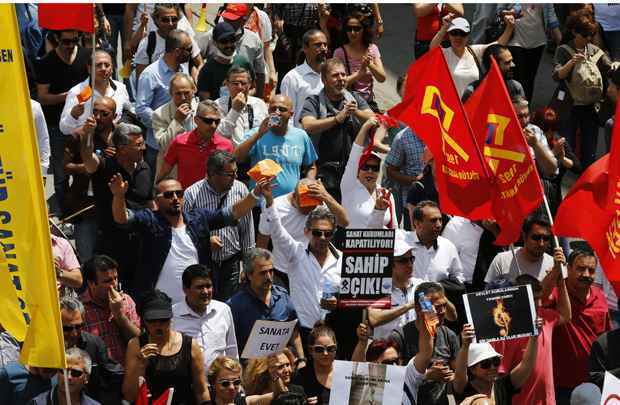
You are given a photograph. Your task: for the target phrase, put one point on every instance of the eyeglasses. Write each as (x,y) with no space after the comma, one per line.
(70,41)
(210,121)
(75,373)
(319,233)
(278,108)
(169,195)
(353,28)
(539,237)
(404,259)
(458,33)
(390,362)
(324,349)
(487,363)
(373,168)
(71,328)
(228,383)
(169,20)
(228,174)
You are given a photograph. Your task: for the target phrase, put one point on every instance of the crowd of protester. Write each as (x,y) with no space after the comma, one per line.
(177,252)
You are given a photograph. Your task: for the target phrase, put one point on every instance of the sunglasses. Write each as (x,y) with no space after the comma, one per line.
(319,233)
(353,28)
(538,238)
(278,108)
(169,195)
(70,41)
(169,20)
(404,259)
(228,41)
(373,168)
(228,383)
(75,373)
(210,121)
(71,328)
(487,363)
(324,349)
(458,33)
(390,362)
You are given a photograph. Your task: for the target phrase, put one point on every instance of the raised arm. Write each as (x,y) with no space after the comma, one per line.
(359,352)
(317,190)
(522,371)
(460,371)
(242,151)
(87,146)
(118,187)
(378,317)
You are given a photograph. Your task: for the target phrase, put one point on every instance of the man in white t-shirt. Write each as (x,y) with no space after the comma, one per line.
(530,259)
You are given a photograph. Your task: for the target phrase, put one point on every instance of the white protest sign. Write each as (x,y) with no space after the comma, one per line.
(366,383)
(611,390)
(268,337)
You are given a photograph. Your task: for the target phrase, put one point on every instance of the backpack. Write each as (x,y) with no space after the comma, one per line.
(586,82)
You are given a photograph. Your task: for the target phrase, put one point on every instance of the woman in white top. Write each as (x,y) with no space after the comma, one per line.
(464,60)
(360,188)
(75,113)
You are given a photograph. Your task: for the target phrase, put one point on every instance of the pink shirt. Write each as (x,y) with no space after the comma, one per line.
(538,388)
(364,85)
(64,254)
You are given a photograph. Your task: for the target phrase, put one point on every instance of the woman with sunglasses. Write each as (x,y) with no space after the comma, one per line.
(164,357)
(367,203)
(272,375)
(361,56)
(316,378)
(225,383)
(477,365)
(462,59)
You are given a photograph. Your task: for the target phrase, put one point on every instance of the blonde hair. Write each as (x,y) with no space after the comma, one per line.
(256,377)
(221,363)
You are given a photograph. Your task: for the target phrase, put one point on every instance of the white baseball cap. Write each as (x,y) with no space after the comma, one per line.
(459,23)
(401,247)
(480,351)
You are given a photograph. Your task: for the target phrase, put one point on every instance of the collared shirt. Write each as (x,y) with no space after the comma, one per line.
(436,263)
(64,254)
(235,123)
(298,84)
(358,202)
(406,155)
(247,308)
(214,330)
(115,90)
(189,153)
(98,321)
(465,235)
(572,341)
(306,276)
(504,266)
(239,238)
(153,92)
(399,297)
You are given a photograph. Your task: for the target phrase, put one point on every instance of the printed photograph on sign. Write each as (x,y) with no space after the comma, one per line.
(366,383)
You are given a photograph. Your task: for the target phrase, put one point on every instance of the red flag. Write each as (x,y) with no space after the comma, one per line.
(433,109)
(67,16)
(143,395)
(165,398)
(516,187)
(591,210)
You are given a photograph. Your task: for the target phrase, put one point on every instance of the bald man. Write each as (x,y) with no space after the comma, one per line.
(290,147)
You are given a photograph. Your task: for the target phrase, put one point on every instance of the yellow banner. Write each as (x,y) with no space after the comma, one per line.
(30,306)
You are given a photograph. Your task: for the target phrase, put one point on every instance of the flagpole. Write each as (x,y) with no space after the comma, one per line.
(514,256)
(92,61)
(555,238)
(67,394)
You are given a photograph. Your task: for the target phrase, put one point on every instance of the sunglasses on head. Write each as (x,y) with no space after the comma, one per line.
(319,232)
(538,238)
(210,121)
(390,362)
(487,363)
(373,168)
(353,28)
(324,349)
(458,33)
(171,193)
(70,41)
(228,383)
(71,328)
(75,373)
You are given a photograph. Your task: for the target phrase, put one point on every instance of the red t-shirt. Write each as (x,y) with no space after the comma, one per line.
(429,25)
(190,154)
(538,388)
(573,340)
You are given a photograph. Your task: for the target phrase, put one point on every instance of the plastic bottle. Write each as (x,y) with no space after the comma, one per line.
(329,291)
(428,311)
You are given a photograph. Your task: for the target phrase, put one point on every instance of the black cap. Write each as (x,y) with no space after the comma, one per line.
(223,30)
(156,305)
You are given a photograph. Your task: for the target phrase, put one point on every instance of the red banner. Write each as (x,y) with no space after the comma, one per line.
(591,210)
(432,108)
(517,190)
(78,17)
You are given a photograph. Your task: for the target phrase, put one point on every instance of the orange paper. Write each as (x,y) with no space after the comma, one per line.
(264,169)
(304,198)
(85,94)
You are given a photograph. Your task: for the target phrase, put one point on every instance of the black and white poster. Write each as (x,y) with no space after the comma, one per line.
(367,268)
(504,313)
(366,383)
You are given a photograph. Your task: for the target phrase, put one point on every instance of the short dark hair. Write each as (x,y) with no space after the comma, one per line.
(218,159)
(525,279)
(492,51)
(123,132)
(429,287)
(236,69)
(193,272)
(532,220)
(365,20)
(159,6)
(377,347)
(305,39)
(329,64)
(175,40)
(577,253)
(418,211)
(152,296)
(98,263)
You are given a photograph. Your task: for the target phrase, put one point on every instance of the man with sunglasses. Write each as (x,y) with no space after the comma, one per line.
(57,72)
(190,150)
(530,259)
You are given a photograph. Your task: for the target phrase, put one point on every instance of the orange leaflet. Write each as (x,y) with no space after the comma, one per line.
(305,200)
(264,169)
(85,94)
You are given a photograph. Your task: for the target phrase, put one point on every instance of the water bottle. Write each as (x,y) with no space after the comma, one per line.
(329,291)
(428,312)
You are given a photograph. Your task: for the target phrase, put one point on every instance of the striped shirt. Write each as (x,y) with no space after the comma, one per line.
(234,239)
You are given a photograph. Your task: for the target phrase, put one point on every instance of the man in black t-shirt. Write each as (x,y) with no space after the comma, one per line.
(57,72)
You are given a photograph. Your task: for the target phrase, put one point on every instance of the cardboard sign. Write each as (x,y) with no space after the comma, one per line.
(611,390)
(366,383)
(366,276)
(268,337)
(501,314)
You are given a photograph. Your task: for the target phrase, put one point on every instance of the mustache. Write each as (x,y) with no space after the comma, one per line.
(588,280)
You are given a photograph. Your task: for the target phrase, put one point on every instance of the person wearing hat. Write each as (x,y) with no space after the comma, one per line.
(464,60)
(164,357)
(247,43)
(367,203)
(477,365)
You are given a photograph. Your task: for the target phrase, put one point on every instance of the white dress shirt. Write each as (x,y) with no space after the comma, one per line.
(298,84)
(214,331)
(235,124)
(436,263)
(399,297)
(465,235)
(68,124)
(306,276)
(43,138)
